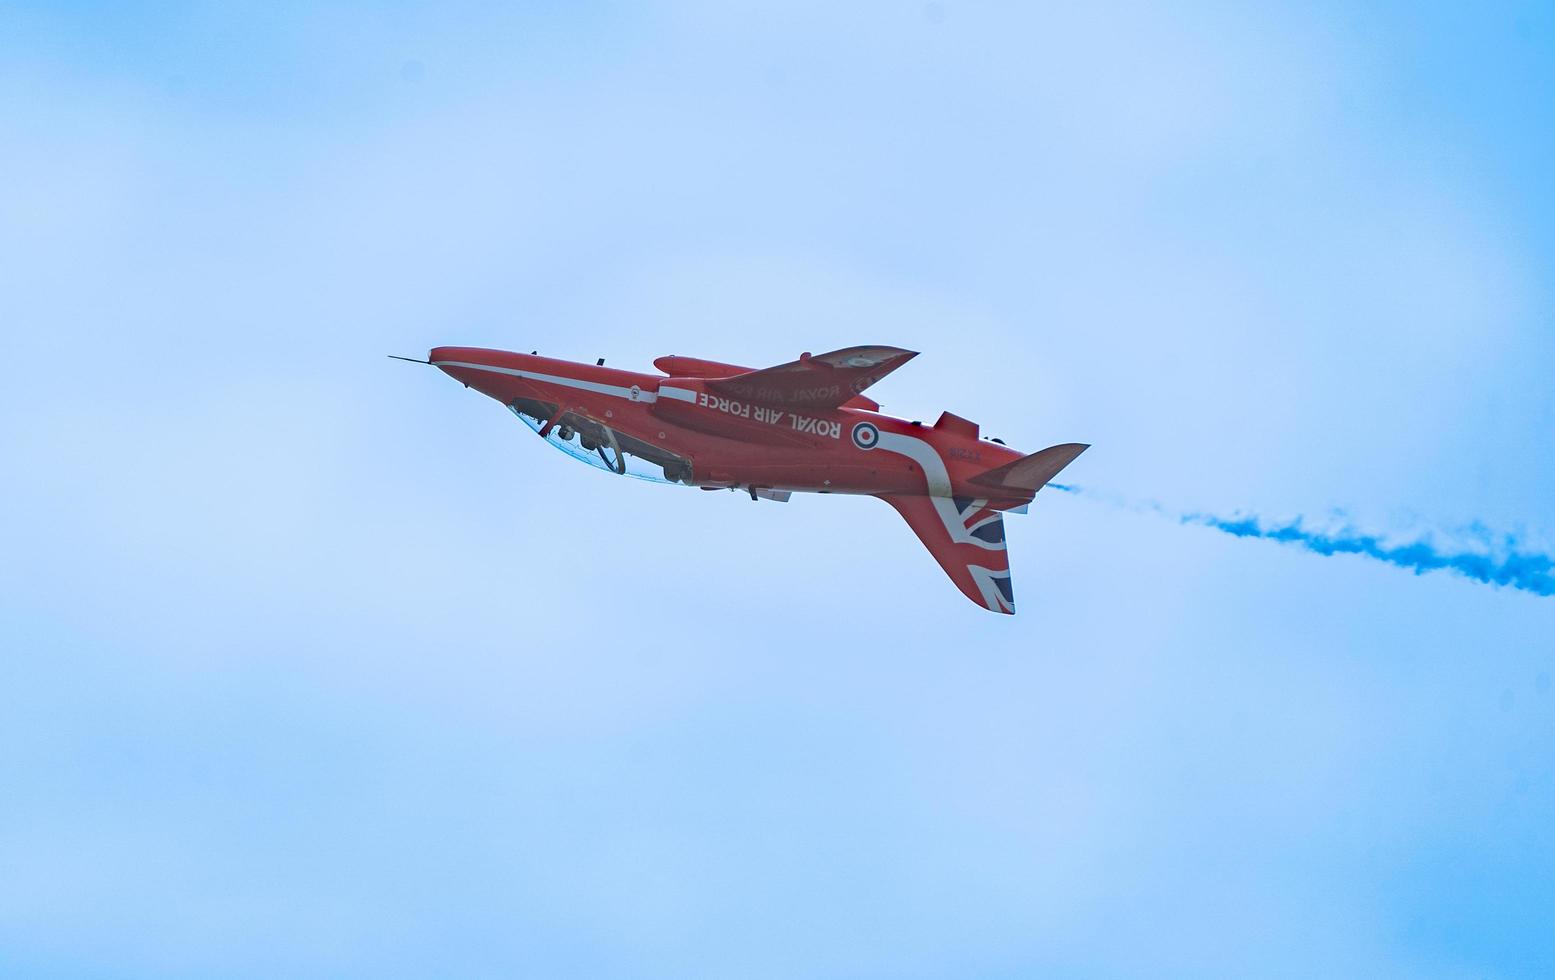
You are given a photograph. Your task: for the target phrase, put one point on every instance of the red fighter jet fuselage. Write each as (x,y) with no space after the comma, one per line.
(804,426)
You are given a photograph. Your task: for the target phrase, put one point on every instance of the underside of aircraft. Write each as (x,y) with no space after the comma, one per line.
(800,427)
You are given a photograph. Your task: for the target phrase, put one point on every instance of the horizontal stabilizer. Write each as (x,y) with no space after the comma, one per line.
(1031,473)
(816,381)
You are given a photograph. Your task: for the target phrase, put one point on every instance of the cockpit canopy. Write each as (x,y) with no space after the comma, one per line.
(602,447)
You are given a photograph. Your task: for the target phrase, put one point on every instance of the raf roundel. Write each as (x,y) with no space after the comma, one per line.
(866,435)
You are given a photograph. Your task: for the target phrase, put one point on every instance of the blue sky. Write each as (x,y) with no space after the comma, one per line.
(316,664)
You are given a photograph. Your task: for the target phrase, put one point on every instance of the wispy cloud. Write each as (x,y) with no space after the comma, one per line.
(1474,552)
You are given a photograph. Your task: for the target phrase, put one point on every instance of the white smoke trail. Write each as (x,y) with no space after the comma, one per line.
(1478,554)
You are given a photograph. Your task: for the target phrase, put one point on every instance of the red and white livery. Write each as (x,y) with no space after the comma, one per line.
(800,427)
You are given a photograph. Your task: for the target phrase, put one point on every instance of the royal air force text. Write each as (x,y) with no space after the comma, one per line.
(770,416)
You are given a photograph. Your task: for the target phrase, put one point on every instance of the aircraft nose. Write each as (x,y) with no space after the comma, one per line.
(474,367)
(456,361)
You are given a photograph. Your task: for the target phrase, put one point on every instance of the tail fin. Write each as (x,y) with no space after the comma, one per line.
(966,537)
(1031,473)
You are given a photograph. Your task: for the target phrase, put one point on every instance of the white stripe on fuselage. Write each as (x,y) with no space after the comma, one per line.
(616,391)
(938,477)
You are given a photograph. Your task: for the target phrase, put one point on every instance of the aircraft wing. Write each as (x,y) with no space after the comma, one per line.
(966,537)
(818,381)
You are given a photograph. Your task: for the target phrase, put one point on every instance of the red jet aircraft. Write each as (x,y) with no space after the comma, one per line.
(802,426)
